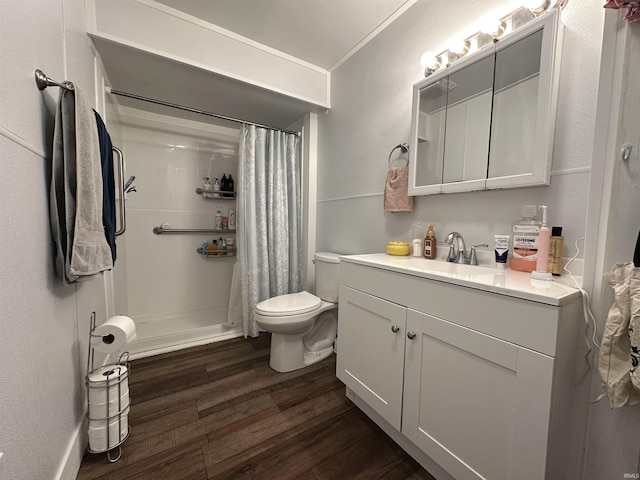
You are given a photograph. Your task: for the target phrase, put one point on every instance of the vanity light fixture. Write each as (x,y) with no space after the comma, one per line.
(537,7)
(495,28)
(430,62)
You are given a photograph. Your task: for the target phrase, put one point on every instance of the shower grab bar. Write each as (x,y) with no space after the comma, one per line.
(122,210)
(160,230)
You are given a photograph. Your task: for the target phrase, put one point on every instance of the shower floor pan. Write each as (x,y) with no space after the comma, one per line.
(167,334)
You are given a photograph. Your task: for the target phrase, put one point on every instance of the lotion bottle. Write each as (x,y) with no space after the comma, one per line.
(542,260)
(430,243)
(556,248)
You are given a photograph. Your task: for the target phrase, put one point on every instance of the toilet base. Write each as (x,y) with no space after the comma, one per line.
(288,353)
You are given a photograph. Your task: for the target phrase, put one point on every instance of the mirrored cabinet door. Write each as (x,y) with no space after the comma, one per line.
(432,116)
(468,126)
(515,107)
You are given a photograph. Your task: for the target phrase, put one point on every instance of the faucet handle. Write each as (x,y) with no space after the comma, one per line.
(473,259)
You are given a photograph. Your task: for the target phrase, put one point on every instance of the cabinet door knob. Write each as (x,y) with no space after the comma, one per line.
(395,328)
(411,335)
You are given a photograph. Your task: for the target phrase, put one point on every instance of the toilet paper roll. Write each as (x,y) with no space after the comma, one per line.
(113,334)
(107,383)
(118,428)
(103,410)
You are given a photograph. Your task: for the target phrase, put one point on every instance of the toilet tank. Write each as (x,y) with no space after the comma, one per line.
(327,271)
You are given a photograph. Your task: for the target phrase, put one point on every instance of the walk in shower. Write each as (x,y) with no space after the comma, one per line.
(176,296)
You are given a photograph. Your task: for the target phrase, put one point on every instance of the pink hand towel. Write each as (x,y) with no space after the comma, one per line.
(396,190)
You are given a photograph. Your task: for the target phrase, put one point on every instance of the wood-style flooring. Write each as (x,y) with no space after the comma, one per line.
(219,412)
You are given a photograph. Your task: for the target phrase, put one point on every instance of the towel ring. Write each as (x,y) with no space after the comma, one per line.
(404,148)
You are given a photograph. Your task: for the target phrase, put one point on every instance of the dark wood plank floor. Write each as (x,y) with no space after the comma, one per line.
(219,412)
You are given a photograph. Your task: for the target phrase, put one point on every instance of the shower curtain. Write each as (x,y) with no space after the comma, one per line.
(269,218)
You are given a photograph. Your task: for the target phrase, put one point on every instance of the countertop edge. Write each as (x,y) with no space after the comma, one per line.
(571,294)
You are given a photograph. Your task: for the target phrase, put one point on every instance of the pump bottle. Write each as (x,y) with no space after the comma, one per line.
(430,243)
(542,261)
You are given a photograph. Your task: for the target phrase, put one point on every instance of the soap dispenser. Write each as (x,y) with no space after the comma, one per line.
(430,243)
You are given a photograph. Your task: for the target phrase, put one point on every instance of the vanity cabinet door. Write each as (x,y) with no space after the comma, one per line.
(370,361)
(477,405)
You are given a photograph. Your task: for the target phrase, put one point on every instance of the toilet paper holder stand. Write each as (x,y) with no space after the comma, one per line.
(109,382)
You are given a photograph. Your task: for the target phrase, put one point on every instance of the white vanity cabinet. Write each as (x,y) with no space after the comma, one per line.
(477,380)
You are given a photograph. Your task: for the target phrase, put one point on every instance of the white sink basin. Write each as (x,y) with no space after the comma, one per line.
(438,266)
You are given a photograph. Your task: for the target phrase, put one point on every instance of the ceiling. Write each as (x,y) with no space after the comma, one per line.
(320,32)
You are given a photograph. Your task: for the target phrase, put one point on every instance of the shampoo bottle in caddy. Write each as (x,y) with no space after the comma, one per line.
(542,262)
(207,188)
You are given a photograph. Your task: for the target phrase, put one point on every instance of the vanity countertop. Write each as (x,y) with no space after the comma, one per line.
(558,291)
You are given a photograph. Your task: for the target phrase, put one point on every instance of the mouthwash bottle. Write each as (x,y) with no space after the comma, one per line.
(525,240)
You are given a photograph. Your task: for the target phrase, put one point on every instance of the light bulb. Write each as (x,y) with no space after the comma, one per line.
(536,6)
(430,62)
(556,3)
(493,27)
(459,47)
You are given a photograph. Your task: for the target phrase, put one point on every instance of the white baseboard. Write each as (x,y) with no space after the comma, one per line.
(70,464)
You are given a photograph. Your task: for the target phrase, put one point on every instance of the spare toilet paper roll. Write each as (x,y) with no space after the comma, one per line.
(108,383)
(113,334)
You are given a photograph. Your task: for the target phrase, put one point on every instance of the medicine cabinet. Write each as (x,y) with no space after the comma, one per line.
(488,120)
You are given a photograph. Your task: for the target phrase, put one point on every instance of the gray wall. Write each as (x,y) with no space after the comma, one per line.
(43,325)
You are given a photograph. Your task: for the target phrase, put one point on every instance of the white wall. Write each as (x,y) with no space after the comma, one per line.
(43,325)
(371,110)
(195,42)
(612,448)
(162,275)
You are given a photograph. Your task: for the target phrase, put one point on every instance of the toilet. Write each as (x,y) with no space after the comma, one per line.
(303,326)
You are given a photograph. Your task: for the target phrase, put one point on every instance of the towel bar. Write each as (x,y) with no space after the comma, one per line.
(42,81)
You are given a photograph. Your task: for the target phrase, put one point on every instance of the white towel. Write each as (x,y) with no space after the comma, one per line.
(76,191)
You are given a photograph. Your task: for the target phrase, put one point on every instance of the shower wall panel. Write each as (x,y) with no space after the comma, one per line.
(163,276)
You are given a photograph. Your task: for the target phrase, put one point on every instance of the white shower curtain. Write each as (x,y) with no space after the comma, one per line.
(269,223)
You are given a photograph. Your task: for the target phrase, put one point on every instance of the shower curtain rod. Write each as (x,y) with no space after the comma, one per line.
(192,110)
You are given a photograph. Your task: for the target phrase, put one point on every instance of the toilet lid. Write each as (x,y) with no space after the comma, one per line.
(291,304)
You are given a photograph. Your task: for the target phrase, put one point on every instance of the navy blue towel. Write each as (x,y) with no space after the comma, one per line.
(108,186)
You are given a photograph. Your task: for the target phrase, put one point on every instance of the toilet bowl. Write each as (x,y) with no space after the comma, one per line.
(303,326)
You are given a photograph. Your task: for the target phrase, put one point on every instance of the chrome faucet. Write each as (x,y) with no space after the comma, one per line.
(457,248)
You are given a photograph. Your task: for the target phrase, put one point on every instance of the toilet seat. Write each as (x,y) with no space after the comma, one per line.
(291,304)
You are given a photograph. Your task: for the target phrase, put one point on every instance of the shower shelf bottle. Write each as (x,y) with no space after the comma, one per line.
(525,240)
